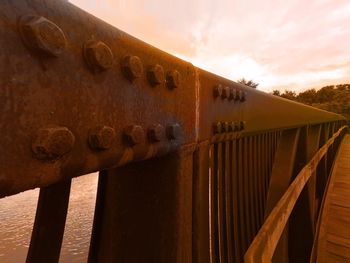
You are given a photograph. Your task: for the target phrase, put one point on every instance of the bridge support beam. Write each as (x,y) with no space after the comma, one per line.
(50,219)
(200,242)
(144,211)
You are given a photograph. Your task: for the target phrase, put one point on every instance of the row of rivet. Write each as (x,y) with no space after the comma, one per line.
(54,142)
(229,93)
(233,126)
(42,35)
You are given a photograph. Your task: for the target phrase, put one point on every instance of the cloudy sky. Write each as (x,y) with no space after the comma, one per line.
(294,44)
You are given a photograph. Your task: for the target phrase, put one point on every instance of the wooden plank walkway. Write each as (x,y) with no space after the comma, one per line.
(334,233)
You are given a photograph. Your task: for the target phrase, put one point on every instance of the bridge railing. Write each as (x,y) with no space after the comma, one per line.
(263,248)
(190,163)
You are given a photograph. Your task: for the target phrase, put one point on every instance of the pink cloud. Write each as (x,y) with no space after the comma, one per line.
(295,44)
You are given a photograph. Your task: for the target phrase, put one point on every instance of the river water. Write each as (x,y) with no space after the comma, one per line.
(17,215)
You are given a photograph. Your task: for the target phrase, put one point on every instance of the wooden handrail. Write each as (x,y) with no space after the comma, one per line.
(264,244)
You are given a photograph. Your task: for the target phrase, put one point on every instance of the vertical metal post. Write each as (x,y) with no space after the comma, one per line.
(200,241)
(50,219)
(144,211)
(228,201)
(302,220)
(214,234)
(322,167)
(282,174)
(236,209)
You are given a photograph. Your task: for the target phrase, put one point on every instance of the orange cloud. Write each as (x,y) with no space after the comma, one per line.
(296,44)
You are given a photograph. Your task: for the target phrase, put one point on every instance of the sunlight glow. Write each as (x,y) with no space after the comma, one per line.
(281,45)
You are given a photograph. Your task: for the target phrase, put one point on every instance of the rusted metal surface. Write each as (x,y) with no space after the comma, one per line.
(47,235)
(80,83)
(201,211)
(81,73)
(150,217)
(189,159)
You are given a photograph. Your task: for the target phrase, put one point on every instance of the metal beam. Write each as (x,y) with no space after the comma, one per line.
(79,96)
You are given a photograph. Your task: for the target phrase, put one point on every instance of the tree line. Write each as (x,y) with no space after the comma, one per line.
(335,98)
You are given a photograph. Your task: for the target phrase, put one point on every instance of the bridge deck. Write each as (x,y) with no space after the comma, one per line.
(334,235)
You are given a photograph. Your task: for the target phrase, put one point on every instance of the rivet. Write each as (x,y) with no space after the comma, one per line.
(42,35)
(135,134)
(217,128)
(132,67)
(101,138)
(217,91)
(53,142)
(156,75)
(173,79)
(98,55)
(173,131)
(156,133)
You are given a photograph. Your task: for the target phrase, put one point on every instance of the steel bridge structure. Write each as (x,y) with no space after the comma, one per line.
(193,167)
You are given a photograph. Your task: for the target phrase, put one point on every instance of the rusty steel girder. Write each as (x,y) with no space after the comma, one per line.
(78,95)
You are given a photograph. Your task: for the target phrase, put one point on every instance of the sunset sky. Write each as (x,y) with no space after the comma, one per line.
(294,44)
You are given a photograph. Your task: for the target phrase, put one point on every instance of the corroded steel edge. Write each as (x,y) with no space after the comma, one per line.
(40,91)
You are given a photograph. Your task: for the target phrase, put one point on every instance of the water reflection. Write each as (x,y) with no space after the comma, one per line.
(17,217)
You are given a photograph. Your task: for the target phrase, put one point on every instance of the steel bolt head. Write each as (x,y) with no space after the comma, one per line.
(156,133)
(226,126)
(231,126)
(218,128)
(225,93)
(98,55)
(232,94)
(237,95)
(156,75)
(42,35)
(101,138)
(52,143)
(236,126)
(242,125)
(135,134)
(173,79)
(243,96)
(132,67)
(218,90)
(240,96)
(173,131)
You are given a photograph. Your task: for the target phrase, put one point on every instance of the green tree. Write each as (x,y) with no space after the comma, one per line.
(276,92)
(288,94)
(249,83)
(325,94)
(307,97)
